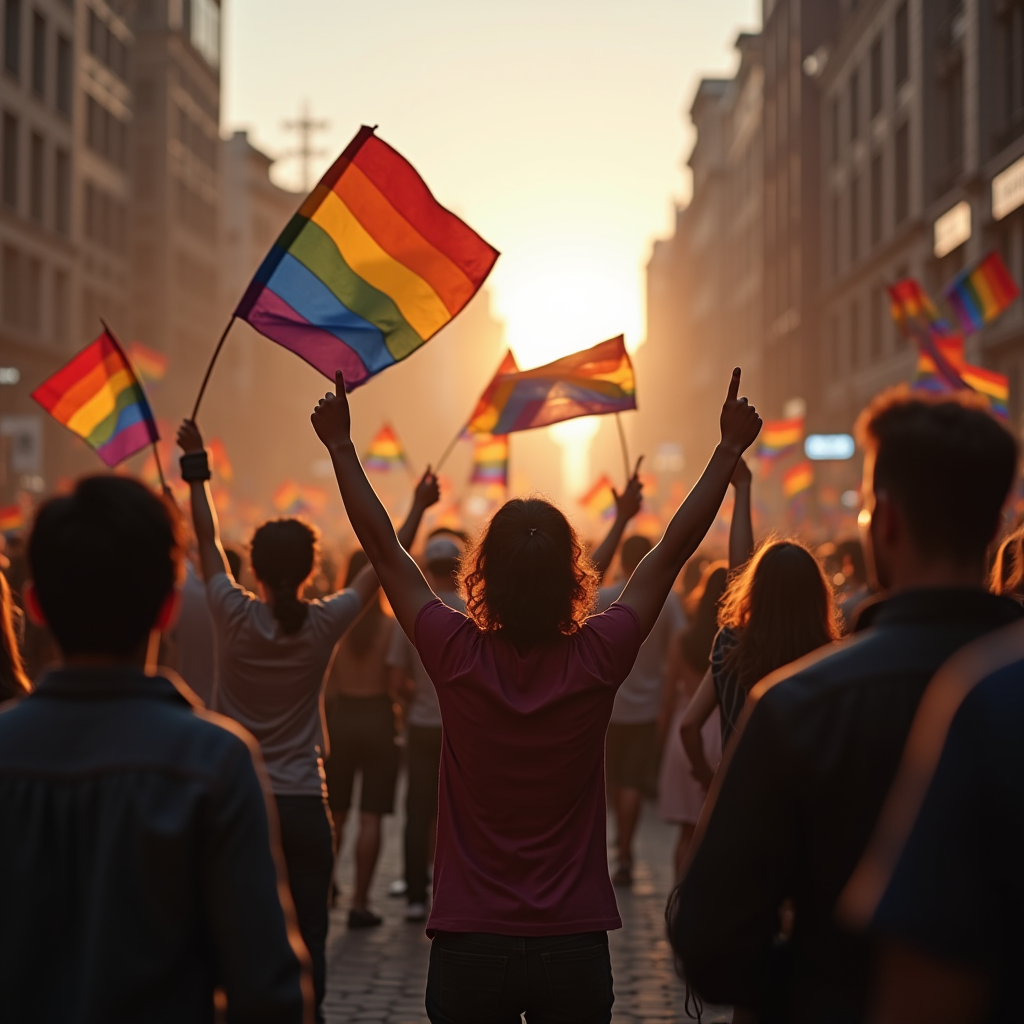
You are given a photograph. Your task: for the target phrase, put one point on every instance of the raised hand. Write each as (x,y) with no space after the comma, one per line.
(331,419)
(739,422)
(741,476)
(428,491)
(189,438)
(628,503)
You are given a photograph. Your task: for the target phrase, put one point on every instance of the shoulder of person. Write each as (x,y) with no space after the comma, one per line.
(607,596)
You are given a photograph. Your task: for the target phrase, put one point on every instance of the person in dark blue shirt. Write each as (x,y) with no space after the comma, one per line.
(137,844)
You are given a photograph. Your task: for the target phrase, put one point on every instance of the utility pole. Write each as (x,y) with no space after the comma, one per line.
(305,126)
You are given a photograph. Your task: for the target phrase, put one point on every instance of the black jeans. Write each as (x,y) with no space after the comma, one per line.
(492,979)
(424,760)
(309,857)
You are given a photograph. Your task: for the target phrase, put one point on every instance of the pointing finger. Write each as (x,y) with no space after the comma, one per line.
(636,472)
(734,384)
(339,381)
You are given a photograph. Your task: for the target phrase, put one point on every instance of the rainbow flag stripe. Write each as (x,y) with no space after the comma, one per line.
(599,501)
(596,381)
(385,452)
(979,294)
(780,436)
(797,480)
(293,499)
(490,460)
(368,270)
(508,365)
(913,310)
(11,518)
(994,386)
(98,397)
(151,366)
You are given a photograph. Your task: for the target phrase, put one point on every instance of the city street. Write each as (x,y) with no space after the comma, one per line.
(379,974)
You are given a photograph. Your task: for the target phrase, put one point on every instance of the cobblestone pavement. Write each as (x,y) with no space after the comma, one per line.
(378,975)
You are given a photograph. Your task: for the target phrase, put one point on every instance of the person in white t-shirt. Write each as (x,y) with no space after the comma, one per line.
(632,746)
(272,656)
(410,681)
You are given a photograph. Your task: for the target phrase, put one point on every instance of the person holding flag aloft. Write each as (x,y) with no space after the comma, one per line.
(525,682)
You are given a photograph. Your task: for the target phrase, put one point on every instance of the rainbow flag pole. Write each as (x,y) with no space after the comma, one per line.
(138,380)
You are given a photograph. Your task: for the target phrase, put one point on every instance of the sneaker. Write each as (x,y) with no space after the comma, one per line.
(363,919)
(416,912)
(397,888)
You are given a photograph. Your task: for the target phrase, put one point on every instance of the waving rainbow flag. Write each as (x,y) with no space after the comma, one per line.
(11,518)
(599,501)
(98,397)
(797,480)
(385,452)
(151,366)
(368,270)
(913,310)
(490,460)
(590,383)
(979,294)
(778,437)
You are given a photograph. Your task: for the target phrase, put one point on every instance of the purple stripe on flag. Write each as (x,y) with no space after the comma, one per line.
(279,322)
(125,442)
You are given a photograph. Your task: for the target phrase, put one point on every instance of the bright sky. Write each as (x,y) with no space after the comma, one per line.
(556,128)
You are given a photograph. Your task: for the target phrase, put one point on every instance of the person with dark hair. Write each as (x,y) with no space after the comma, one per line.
(13,681)
(272,656)
(525,679)
(632,743)
(680,795)
(361,727)
(1007,575)
(793,807)
(939,885)
(138,840)
(411,683)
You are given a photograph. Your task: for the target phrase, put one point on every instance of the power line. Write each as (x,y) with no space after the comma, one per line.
(306,126)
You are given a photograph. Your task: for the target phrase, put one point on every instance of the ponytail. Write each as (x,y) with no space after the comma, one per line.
(284,552)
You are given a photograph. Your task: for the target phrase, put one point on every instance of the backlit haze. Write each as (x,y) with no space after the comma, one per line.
(556,128)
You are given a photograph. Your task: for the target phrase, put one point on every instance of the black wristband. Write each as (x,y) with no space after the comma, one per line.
(195,466)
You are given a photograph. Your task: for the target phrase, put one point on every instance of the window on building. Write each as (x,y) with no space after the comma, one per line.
(854,105)
(38,54)
(97,37)
(953,111)
(902,45)
(834,129)
(876,199)
(876,77)
(836,231)
(12,37)
(855,219)
(902,162)
(10,161)
(879,324)
(37,177)
(1012,31)
(62,190)
(854,334)
(10,285)
(64,75)
(61,307)
(32,298)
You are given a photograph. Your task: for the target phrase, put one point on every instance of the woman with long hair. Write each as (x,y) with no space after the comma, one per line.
(361,726)
(779,608)
(273,650)
(525,681)
(13,681)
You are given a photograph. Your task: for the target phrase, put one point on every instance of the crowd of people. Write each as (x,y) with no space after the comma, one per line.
(842,768)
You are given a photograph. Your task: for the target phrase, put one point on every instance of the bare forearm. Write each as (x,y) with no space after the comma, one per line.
(605,551)
(368,516)
(693,744)
(741,529)
(204,522)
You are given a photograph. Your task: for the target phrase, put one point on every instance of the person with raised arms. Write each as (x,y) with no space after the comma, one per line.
(525,681)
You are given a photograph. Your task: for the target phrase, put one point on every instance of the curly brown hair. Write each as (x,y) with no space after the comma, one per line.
(528,577)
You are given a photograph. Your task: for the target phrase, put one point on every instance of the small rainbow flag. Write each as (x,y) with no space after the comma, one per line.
(98,397)
(929,376)
(593,382)
(490,460)
(292,499)
(778,437)
(508,365)
(11,518)
(368,270)
(599,501)
(219,461)
(913,310)
(385,452)
(797,480)
(979,294)
(151,366)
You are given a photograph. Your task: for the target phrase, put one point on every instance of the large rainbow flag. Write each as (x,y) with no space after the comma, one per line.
(98,397)
(590,383)
(979,294)
(779,437)
(385,451)
(368,270)
(490,460)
